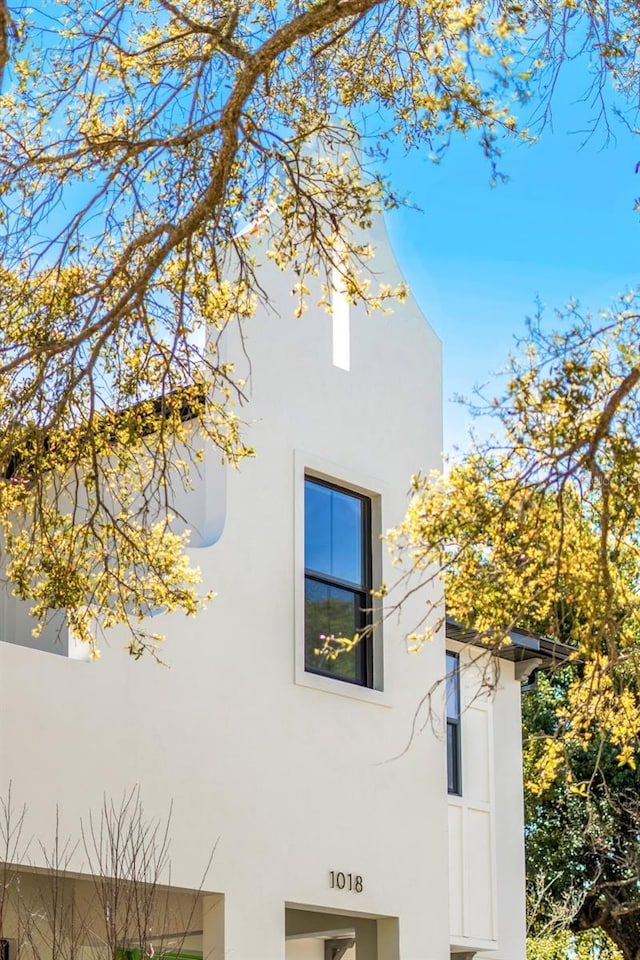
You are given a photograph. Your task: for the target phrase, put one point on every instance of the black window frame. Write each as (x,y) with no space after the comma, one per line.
(364,649)
(453,727)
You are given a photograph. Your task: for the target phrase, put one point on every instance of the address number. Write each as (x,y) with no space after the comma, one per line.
(346,881)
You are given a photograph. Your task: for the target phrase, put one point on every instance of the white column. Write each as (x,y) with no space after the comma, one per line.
(243,926)
(213,927)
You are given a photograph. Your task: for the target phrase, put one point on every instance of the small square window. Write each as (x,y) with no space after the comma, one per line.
(337,557)
(454,771)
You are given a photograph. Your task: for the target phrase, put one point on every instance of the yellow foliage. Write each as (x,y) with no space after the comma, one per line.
(137,137)
(540,529)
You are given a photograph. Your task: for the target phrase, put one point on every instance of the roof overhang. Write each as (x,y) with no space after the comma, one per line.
(523,646)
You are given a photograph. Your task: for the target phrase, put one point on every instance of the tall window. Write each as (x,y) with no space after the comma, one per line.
(337,559)
(454,777)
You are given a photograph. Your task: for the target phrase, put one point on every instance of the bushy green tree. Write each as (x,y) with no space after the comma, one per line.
(582,839)
(569,946)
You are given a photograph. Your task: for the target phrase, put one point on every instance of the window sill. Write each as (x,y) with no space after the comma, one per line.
(342,688)
(460,800)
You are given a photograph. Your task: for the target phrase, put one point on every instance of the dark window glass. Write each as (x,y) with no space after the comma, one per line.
(333,533)
(454,778)
(332,618)
(337,583)
(453,687)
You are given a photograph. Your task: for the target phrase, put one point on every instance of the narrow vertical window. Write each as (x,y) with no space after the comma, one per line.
(337,553)
(341,327)
(454,778)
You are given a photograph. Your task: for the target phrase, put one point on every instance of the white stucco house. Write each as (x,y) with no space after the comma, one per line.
(334,831)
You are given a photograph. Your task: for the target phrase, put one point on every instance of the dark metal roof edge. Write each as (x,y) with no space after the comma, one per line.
(524,644)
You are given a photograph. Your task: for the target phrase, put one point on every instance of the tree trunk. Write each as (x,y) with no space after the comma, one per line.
(625,933)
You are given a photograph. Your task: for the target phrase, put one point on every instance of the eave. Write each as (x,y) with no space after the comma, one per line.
(524,646)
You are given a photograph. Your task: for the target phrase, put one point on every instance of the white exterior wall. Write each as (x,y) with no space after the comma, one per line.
(509,807)
(486,827)
(291,775)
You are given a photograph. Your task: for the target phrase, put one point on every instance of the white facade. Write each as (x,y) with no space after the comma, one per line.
(296,778)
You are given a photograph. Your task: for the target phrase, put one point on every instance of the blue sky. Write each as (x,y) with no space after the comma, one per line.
(477,257)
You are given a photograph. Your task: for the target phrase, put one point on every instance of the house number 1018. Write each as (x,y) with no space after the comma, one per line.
(346,881)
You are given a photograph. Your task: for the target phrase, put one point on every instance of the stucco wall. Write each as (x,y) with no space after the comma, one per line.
(288,776)
(486,830)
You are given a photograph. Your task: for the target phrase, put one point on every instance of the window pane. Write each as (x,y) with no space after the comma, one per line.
(453,758)
(453,724)
(333,533)
(332,615)
(453,687)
